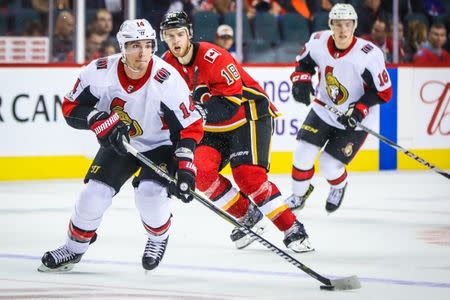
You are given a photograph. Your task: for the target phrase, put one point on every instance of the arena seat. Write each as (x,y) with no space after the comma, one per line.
(230,19)
(205,24)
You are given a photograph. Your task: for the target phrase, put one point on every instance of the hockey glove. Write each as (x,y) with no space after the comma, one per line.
(185,175)
(109,130)
(202,111)
(302,87)
(355,113)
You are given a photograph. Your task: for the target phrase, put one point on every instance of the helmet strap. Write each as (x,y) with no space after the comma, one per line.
(124,61)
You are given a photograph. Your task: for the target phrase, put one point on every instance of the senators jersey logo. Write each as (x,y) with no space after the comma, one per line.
(117,105)
(161,75)
(102,63)
(367,48)
(335,90)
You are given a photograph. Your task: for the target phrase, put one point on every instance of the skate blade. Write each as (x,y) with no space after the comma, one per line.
(247,239)
(66,268)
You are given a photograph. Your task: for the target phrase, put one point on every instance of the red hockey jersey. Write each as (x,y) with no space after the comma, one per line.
(223,76)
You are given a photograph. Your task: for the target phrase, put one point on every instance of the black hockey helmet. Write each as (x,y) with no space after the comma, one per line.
(175,19)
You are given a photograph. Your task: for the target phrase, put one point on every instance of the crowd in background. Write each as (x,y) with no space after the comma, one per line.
(423,24)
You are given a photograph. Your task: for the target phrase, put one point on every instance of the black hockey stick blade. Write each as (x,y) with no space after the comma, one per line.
(338,283)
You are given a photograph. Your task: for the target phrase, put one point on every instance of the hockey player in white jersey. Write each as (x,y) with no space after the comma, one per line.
(354,79)
(138,96)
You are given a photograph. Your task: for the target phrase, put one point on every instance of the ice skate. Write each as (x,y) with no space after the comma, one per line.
(253,219)
(298,202)
(296,238)
(59,260)
(153,253)
(335,198)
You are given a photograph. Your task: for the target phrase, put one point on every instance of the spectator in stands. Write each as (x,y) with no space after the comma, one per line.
(378,35)
(93,48)
(108,49)
(382,37)
(368,14)
(225,38)
(103,25)
(433,51)
(34,28)
(264,6)
(434,8)
(63,37)
(447,45)
(401,43)
(416,37)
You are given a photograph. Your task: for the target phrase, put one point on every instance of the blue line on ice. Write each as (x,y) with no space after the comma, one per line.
(242,271)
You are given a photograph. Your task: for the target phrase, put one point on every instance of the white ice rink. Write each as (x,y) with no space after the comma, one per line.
(393,232)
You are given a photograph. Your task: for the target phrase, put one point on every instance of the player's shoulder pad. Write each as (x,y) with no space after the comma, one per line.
(103,63)
(166,55)
(320,35)
(211,53)
(163,71)
(368,48)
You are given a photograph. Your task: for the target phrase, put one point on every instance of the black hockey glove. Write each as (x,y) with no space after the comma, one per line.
(202,111)
(185,175)
(355,113)
(302,87)
(110,131)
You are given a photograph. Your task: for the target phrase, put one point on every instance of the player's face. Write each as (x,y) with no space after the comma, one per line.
(139,53)
(437,37)
(342,32)
(177,40)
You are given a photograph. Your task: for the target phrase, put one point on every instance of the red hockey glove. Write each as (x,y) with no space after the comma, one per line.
(109,130)
(185,175)
(355,113)
(302,87)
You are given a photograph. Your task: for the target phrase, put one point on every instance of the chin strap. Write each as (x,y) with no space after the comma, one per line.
(124,61)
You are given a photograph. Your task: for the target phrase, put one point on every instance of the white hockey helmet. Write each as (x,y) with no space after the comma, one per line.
(136,30)
(342,11)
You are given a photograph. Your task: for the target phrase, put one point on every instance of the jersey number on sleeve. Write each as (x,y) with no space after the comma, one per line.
(185,111)
(383,78)
(230,73)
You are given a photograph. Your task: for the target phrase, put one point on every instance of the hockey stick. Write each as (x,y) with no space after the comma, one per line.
(346,283)
(387,141)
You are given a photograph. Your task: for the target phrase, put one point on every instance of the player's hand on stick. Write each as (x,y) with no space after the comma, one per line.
(202,111)
(185,175)
(110,131)
(355,113)
(302,87)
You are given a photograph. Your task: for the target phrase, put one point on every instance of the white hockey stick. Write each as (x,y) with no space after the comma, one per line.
(346,283)
(387,141)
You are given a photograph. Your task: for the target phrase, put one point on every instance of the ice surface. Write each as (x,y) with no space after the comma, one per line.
(393,231)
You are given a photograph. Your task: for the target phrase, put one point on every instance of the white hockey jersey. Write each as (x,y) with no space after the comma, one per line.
(344,76)
(149,106)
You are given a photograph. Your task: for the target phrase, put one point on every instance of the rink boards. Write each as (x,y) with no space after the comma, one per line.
(38,144)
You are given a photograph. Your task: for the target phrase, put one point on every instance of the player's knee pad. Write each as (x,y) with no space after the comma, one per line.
(207,161)
(152,202)
(304,155)
(249,178)
(333,170)
(95,198)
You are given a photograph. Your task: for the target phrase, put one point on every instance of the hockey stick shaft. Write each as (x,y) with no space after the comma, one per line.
(206,202)
(389,142)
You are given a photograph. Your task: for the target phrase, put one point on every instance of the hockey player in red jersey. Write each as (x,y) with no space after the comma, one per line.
(137,96)
(238,118)
(353,78)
